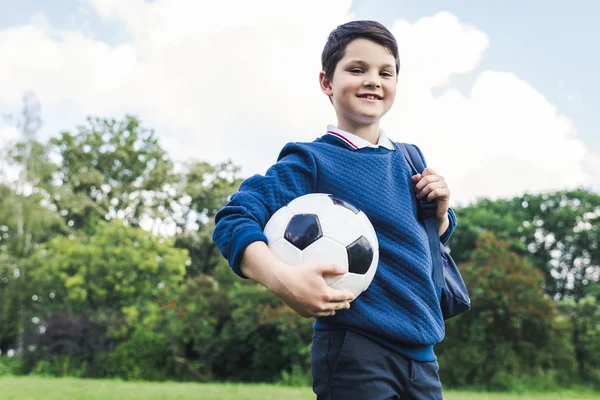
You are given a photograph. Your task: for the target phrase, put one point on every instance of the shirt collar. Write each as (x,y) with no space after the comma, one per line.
(356,142)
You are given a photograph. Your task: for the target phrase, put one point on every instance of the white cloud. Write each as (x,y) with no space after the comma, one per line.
(221,81)
(501,139)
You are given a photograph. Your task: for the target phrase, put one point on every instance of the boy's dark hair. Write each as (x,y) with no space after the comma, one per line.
(338,39)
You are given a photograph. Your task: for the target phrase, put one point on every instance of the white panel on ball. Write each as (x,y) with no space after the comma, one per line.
(276,226)
(368,230)
(286,252)
(341,225)
(351,282)
(315,203)
(327,251)
(372,269)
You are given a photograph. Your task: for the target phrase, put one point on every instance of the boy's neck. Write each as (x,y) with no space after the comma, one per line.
(370,133)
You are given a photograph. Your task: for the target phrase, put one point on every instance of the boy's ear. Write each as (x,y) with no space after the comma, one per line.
(325,84)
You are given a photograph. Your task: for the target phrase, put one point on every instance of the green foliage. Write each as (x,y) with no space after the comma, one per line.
(209,186)
(10,300)
(558,232)
(117,269)
(568,243)
(10,365)
(112,277)
(300,376)
(220,327)
(508,330)
(34,161)
(62,365)
(110,169)
(263,333)
(204,189)
(204,254)
(497,216)
(584,317)
(24,223)
(144,356)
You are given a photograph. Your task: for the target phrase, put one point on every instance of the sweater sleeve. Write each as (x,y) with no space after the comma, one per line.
(242,220)
(451,216)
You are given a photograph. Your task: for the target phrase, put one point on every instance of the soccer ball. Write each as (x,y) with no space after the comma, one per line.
(321,228)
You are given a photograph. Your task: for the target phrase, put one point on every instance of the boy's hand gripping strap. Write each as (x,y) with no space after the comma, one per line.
(427,209)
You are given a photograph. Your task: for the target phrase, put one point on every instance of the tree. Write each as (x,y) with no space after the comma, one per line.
(558,232)
(221,327)
(24,224)
(584,318)
(117,268)
(203,189)
(26,220)
(108,169)
(564,239)
(508,329)
(111,169)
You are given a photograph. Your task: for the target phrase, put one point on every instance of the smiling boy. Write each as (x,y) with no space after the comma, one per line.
(382,346)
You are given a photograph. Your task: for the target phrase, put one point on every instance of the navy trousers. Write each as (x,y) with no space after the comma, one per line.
(349,366)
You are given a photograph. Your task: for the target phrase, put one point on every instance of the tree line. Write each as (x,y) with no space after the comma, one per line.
(107,269)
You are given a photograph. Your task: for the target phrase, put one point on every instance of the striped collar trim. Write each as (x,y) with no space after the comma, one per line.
(356,142)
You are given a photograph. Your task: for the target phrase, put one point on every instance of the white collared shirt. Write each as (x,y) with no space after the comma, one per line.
(357,142)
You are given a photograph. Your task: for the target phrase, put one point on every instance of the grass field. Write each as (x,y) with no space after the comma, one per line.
(34,388)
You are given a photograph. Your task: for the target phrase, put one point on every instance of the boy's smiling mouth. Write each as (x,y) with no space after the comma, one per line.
(370,96)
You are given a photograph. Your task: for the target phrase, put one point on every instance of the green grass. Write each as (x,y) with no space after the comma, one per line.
(34,388)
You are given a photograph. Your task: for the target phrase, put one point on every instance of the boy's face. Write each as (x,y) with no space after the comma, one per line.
(363,86)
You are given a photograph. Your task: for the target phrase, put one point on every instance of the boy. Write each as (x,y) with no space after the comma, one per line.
(382,346)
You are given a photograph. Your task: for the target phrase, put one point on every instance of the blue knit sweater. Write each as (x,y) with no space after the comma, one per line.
(400,309)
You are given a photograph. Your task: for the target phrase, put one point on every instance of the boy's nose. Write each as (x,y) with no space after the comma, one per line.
(371,81)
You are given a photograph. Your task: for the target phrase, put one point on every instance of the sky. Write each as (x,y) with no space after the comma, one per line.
(500,96)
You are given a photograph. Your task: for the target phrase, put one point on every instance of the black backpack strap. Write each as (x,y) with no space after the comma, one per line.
(427,210)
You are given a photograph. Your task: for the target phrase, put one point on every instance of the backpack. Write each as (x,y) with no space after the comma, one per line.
(455,297)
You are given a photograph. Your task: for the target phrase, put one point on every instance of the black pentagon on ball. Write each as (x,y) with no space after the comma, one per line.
(302,230)
(345,204)
(360,256)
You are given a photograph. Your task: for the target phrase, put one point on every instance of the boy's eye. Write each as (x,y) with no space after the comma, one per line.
(387,74)
(356,70)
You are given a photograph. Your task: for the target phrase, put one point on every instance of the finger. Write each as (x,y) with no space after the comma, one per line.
(430,188)
(436,189)
(441,194)
(429,171)
(333,306)
(416,178)
(336,296)
(324,314)
(426,180)
(335,269)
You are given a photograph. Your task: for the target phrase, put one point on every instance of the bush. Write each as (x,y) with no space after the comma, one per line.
(145,356)
(10,365)
(66,346)
(509,330)
(60,366)
(300,376)
(543,381)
